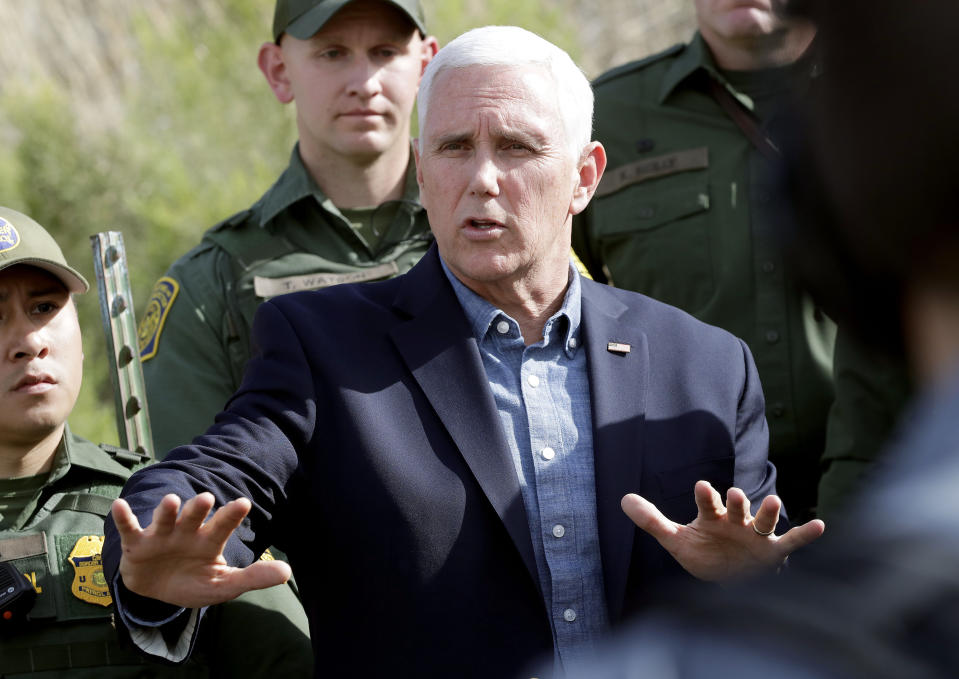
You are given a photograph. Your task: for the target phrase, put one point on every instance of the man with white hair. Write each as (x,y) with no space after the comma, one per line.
(461,438)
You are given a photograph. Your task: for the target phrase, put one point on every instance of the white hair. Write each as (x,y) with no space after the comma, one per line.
(514,46)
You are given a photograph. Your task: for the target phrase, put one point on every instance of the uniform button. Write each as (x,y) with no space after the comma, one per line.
(547,453)
(559,530)
(772,336)
(778,409)
(644,145)
(645,212)
(502,327)
(569,615)
(769,267)
(533,380)
(573,343)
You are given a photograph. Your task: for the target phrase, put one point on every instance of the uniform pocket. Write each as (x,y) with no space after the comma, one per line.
(654,238)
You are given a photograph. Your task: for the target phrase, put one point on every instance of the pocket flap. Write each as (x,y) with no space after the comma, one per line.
(629,211)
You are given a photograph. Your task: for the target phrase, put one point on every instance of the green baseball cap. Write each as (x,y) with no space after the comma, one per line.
(303,18)
(23,241)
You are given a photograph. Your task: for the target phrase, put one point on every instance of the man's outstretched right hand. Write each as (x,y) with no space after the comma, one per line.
(179,558)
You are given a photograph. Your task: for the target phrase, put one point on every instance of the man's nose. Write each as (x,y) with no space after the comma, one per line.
(485,179)
(24,340)
(364,78)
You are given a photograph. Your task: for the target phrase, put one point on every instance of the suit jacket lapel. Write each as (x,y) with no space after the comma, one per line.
(618,384)
(440,351)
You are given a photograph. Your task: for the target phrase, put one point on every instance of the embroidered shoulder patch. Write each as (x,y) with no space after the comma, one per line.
(161,301)
(9,238)
(89,582)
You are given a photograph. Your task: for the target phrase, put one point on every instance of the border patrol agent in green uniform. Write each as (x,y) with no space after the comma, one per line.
(56,489)
(682,215)
(346,209)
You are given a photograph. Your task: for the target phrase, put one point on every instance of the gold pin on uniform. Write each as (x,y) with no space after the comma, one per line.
(617,347)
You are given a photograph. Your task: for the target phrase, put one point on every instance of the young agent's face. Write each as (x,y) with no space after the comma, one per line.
(41,364)
(355,81)
(497,176)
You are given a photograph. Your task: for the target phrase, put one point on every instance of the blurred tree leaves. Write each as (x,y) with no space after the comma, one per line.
(200,137)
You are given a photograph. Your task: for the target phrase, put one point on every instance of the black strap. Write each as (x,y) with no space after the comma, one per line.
(743,118)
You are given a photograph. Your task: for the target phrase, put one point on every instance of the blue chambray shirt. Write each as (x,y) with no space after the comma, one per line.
(542,395)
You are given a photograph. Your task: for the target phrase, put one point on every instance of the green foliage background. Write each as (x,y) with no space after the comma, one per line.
(200,138)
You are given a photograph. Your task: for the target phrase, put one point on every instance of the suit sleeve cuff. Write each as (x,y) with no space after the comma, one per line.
(156,627)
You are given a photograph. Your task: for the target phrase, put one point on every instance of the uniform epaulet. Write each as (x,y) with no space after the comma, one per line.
(232,221)
(638,64)
(128,458)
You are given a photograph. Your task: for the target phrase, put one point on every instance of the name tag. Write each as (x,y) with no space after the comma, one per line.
(23,547)
(273,287)
(650,168)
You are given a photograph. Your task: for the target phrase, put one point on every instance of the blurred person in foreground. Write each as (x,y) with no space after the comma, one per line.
(877,236)
(461,442)
(685,214)
(56,488)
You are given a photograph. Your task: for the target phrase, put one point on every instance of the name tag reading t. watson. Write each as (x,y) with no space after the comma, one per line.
(273,287)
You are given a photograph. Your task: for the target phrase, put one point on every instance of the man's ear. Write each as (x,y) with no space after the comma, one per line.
(416,157)
(429,47)
(591,166)
(272,64)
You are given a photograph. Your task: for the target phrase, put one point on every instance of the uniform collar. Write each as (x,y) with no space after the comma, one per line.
(74,451)
(296,183)
(696,57)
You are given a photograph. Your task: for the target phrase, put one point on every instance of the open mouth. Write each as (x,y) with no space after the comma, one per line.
(483,224)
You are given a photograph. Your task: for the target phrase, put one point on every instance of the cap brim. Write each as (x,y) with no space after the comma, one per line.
(73,281)
(307,24)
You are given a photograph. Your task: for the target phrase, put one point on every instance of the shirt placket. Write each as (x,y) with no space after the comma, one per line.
(550,466)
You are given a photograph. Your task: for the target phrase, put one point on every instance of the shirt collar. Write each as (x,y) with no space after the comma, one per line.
(296,183)
(696,56)
(481,314)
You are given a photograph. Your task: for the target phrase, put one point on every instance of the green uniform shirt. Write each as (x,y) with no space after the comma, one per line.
(55,543)
(680,216)
(194,337)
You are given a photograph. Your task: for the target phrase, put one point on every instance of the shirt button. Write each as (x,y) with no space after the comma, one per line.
(572,343)
(769,267)
(547,453)
(778,409)
(559,530)
(533,380)
(502,327)
(569,615)
(772,336)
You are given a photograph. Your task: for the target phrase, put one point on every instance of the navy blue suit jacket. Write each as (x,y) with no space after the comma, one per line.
(366,436)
